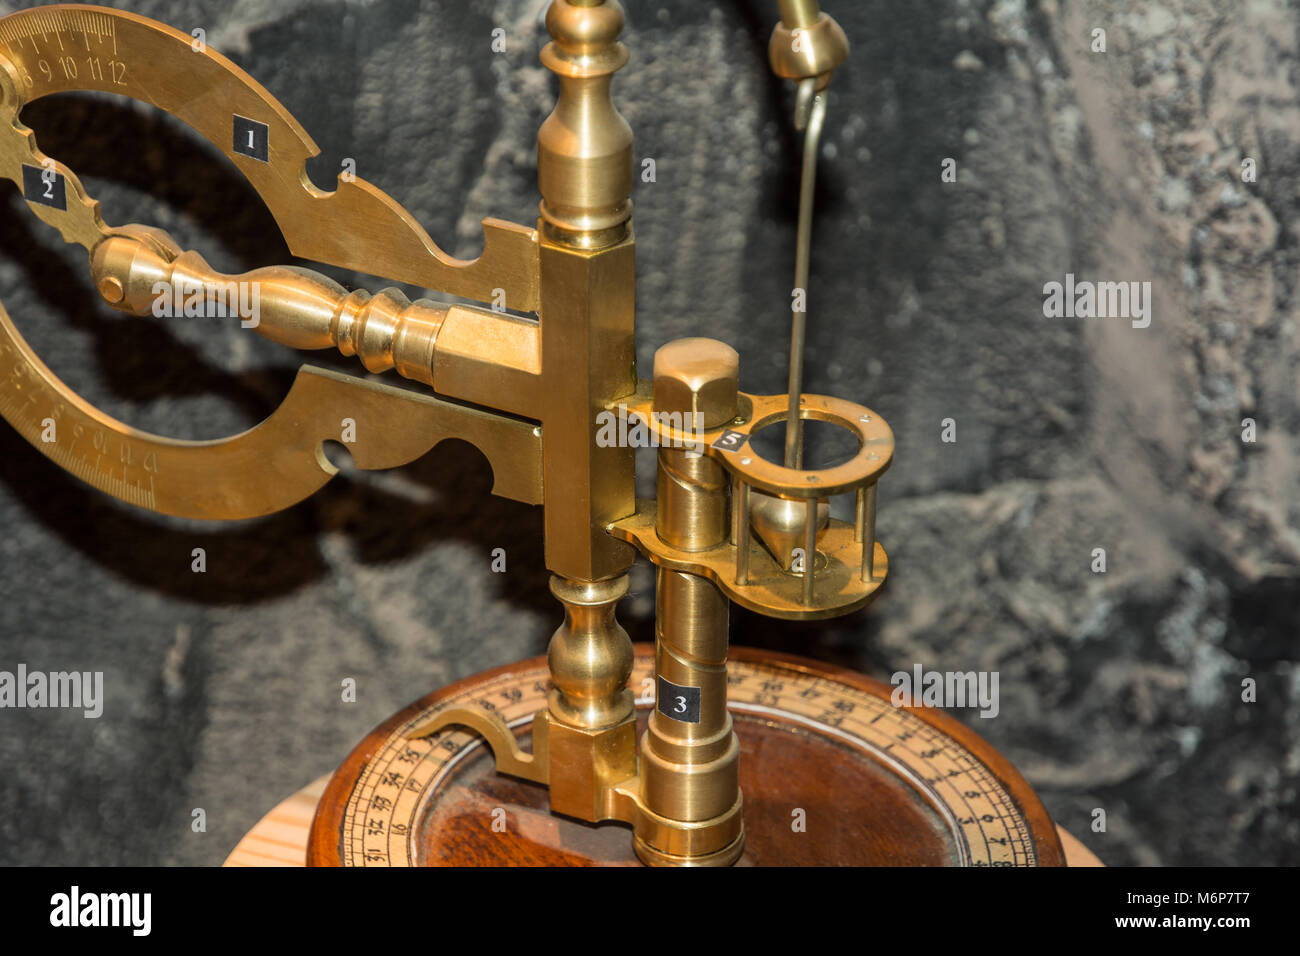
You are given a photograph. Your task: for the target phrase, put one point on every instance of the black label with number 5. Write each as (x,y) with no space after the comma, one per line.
(679,703)
(731,441)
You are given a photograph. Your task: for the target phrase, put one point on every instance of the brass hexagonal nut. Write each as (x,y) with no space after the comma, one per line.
(697,375)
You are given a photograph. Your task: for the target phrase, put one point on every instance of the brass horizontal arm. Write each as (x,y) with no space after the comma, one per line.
(486,357)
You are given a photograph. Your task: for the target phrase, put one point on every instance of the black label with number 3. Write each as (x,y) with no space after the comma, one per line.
(679,703)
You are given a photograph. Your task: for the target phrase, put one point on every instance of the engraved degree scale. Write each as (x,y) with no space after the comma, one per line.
(703,754)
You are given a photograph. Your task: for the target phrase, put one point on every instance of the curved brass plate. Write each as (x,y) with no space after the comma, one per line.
(839,587)
(67,47)
(874,456)
(267,468)
(60,48)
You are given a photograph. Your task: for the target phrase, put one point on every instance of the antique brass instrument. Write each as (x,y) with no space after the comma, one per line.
(527,377)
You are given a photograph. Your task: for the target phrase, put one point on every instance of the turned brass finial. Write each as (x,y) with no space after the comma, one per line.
(584,149)
(590,655)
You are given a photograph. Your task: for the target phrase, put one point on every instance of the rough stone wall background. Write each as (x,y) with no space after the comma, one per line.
(1119,690)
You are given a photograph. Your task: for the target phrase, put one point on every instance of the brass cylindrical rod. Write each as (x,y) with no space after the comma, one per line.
(810,552)
(691,500)
(689,752)
(735,507)
(741,498)
(859,513)
(802,265)
(868,535)
(799,13)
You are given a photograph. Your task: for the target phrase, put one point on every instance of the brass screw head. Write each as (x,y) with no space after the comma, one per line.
(110,287)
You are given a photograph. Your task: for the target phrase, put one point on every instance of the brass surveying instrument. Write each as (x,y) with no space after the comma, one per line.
(705,755)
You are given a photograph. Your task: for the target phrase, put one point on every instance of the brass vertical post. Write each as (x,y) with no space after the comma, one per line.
(587,289)
(690,787)
(587,281)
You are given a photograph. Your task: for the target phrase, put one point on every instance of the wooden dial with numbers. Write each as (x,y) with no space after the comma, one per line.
(832,774)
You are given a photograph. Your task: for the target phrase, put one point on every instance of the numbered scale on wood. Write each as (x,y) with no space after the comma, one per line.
(833,774)
(689,752)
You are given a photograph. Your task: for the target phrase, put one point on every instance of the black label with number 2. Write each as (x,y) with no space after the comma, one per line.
(679,703)
(44,186)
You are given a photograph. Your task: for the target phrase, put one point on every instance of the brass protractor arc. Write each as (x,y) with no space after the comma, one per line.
(74,47)
(403,802)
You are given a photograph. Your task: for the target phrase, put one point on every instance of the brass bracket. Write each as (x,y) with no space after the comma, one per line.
(510,757)
(770,590)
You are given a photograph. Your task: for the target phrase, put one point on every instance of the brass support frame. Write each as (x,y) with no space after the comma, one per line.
(587,290)
(799,13)
(681,792)
(510,757)
(587,297)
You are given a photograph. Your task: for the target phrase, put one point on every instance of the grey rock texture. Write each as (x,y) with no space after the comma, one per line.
(1120,690)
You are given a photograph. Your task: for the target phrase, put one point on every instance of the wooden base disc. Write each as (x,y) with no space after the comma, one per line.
(832,774)
(280,838)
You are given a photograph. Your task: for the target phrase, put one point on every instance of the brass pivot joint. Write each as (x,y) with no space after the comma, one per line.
(807,44)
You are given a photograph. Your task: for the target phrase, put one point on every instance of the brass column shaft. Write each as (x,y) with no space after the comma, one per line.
(690,785)
(691,624)
(586,289)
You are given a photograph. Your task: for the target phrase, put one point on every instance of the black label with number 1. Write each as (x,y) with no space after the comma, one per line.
(679,703)
(252,138)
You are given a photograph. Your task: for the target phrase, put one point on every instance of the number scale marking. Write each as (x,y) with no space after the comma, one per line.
(59,64)
(82,446)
